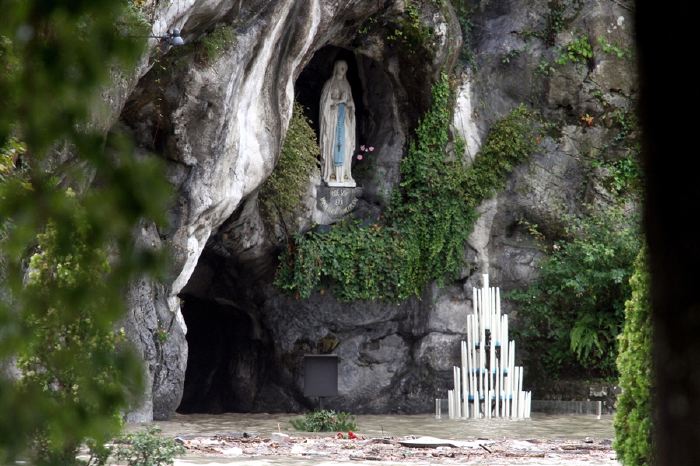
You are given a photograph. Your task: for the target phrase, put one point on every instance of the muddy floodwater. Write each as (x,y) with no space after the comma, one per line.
(540,426)
(542,440)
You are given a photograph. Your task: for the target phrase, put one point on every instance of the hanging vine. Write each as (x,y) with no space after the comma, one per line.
(428,223)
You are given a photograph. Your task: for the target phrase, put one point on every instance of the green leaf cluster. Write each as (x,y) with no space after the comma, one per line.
(624,174)
(410,31)
(571,316)
(59,360)
(289,180)
(9,153)
(148,448)
(623,169)
(423,235)
(612,49)
(633,418)
(70,199)
(215,43)
(555,21)
(463,9)
(325,421)
(579,50)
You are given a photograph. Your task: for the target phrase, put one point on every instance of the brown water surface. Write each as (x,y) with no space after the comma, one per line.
(540,426)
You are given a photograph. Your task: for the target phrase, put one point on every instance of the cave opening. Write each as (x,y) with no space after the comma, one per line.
(229,351)
(224,361)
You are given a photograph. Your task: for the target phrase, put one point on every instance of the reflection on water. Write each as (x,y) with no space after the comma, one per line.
(540,426)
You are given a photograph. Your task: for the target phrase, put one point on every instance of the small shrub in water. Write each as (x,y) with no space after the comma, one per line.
(148,448)
(325,421)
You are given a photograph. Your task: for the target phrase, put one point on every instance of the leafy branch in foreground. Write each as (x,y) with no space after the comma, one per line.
(70,198)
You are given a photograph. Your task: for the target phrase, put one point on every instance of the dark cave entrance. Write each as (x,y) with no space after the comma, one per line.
(224,361)
(229,352)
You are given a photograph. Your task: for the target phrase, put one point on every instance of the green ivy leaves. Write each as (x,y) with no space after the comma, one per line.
(283,190)
(633,441)
(427,224)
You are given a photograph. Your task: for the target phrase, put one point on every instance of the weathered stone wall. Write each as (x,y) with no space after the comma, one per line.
(219,125)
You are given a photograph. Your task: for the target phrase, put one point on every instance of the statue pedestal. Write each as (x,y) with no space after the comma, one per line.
(335,202)
(342,184)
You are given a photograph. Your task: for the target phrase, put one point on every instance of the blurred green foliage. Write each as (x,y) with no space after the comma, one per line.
(71,195)
(633,418)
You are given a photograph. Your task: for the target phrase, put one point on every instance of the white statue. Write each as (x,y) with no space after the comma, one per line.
(337,128)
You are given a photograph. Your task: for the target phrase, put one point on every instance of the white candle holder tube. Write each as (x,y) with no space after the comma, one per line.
(492,363)
(511,356)
(465,386)
(498,301)
(487,383)
(492,308)
(504,400)
(470,363)
(516,394)
(438,408)
(479,309)
(450,404)
(482,367)
(482,336)
(457,393)
(520,378)
(511,369)
(498,391)
(486,312)
(528,405)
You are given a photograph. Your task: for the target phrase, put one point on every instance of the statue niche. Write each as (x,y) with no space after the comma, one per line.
(337,132)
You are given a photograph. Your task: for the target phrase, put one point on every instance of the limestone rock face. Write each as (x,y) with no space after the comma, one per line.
(219,122)
(514,65)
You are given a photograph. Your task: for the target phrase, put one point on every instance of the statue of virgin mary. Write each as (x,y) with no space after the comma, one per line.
(337,135)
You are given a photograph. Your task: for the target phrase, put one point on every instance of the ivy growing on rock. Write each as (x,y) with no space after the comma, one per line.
(216,43)
(410,31)
(283,190)
(426,227)
(406,30)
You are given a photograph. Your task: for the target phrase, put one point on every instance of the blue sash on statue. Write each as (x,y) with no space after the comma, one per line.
(339,146)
